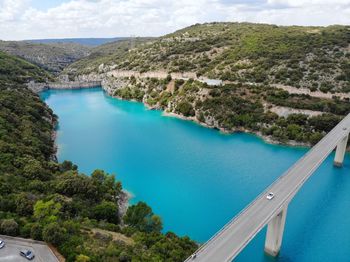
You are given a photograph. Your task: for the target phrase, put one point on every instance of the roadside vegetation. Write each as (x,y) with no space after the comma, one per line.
(41,199)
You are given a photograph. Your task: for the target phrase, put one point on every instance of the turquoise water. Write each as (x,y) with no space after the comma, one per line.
(197,179)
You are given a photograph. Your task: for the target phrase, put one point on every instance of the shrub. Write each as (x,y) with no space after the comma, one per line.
(82,258)
(106,211)
(9,227)
(185,108)
(36,231)
(55,234)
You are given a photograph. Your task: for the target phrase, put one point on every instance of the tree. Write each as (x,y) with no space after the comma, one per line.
(67,166)
(34,170)
(46,212)
(156,223)
(168,78)
(36,231)
(9,227)
(141,217)
(185,108)
(106,211)
(315,137)
(82,258)
(24,204)
(53,233)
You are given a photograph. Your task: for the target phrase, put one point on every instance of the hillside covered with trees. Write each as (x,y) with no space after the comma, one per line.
(238,107)
(44,200)
(263,69)
(316,58)
(104,54)
(53,57)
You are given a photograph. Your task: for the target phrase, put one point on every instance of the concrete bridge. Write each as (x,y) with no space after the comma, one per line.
(226,244)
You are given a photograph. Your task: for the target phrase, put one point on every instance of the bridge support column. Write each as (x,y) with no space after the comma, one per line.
(274,233)
(340,152)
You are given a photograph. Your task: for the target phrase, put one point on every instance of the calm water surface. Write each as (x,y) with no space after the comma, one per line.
(197,179)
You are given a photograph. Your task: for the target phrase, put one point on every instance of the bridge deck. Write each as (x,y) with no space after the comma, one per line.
(235,235)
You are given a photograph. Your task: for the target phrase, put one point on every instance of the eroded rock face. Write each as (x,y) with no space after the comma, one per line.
(37,87)
(77,84)
(109,83)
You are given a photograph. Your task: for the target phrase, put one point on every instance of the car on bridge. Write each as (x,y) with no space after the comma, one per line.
(270,196)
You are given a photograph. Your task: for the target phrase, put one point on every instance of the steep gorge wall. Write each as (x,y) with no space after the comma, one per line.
(38,87)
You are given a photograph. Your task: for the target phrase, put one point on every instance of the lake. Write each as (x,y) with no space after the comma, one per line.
(196,178)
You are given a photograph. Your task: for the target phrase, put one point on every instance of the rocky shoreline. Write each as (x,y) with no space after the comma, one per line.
(266,139)
(110,85)
(123,202)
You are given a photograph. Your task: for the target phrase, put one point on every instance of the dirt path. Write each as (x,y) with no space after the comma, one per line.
(294,90)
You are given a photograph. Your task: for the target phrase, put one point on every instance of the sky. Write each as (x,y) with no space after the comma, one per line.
(37,19)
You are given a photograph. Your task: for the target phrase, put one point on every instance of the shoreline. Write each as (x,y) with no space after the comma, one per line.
(125,196)
(266,139)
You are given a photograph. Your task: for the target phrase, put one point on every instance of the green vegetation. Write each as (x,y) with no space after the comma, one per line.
(283,98)
(185,108)
(239,107)
(317,58)
(82,215)
(50,201)
(53,57)
(251,59)
(17,70)
(106,54)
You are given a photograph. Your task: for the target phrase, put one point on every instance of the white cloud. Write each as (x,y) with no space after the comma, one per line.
(304,3)
(10,10)
(106,18)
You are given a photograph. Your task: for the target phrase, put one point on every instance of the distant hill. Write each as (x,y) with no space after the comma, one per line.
(17,70)
(82,41)
(53,57)
(107,53)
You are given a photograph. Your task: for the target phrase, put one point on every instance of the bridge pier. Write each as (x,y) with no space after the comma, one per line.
(274,233)
(340,152)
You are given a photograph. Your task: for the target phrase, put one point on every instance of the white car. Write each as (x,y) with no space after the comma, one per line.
(270,196)
(2,243)
(27,254)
